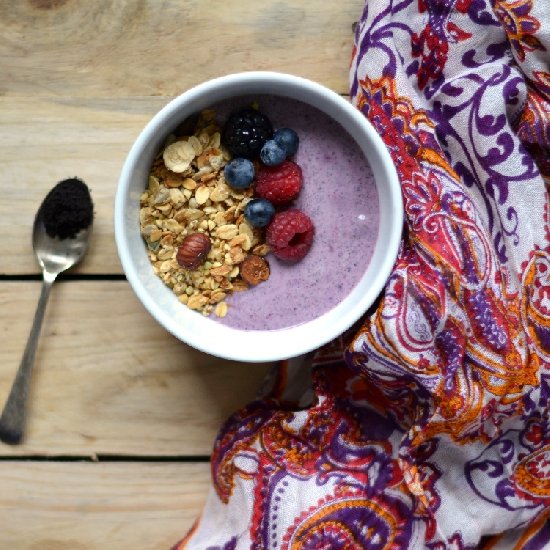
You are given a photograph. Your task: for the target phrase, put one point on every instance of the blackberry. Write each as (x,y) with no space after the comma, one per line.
(245,132)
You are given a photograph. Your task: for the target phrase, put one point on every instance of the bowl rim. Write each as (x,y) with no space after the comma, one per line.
(297,346)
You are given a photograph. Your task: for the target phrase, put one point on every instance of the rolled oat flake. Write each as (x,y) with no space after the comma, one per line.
(67,209)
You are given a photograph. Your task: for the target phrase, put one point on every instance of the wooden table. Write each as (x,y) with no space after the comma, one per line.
(122,415)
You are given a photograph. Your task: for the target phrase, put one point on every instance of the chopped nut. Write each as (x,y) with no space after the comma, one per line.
(155,235)
(221,271)
(165,266)
(173,180)
(188,200)
(216,161)
(202,160)
(225,284)
(219,194)
(247,244)
(173,225)
(197,301)
(219,218)
(189,184)
(193,214)
(196,144)
(239,286)
(237,254)
(167,240)
(238,240)
(164,208)
(165,254)
(215,141)
(208,177)
(217,296)
(153,185)
(204,138)
(146,230)
(227,232)
(202,194)
(201,172)
(261,249)
(176,197)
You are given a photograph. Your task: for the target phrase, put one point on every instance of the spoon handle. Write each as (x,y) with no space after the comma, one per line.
(12,421)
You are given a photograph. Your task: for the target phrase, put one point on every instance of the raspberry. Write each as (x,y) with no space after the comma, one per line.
(279,184)
(290,235)
(245,132)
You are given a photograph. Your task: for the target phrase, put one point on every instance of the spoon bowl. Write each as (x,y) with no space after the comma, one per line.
(54,256)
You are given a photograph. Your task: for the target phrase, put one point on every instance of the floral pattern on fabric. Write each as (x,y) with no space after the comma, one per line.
(427,425)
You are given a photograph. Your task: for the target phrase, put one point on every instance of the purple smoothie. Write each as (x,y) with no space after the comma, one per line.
(339,195)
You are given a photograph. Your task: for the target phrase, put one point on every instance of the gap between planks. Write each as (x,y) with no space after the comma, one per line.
(109,380)
(45,140)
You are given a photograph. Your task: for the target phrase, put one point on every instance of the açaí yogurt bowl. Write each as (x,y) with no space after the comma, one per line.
(350,191)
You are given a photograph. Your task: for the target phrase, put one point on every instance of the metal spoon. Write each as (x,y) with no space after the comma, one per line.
(54,256)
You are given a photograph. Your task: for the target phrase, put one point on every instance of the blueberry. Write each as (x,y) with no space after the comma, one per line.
(239,173)
(272,154)
(259,212)
(288,140)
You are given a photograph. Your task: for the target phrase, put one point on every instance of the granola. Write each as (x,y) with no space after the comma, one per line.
(187,194)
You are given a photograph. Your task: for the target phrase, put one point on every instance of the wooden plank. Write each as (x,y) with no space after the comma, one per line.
(109,380)
(127,48)
(87,506)
(43,141)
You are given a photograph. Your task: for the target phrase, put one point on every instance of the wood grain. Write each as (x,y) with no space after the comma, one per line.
(80,80)
(109,380)
(144,47)
(89,506)
(43,141)
(75,95)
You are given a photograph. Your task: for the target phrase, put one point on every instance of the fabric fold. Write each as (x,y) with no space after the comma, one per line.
(427,425)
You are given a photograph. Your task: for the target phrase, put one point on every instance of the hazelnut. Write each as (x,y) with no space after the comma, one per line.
(254,270)
(193,250)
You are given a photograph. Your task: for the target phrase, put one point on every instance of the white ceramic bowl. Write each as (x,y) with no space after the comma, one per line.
(206,334)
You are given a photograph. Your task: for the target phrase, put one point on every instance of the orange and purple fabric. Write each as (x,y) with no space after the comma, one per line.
(427,425)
